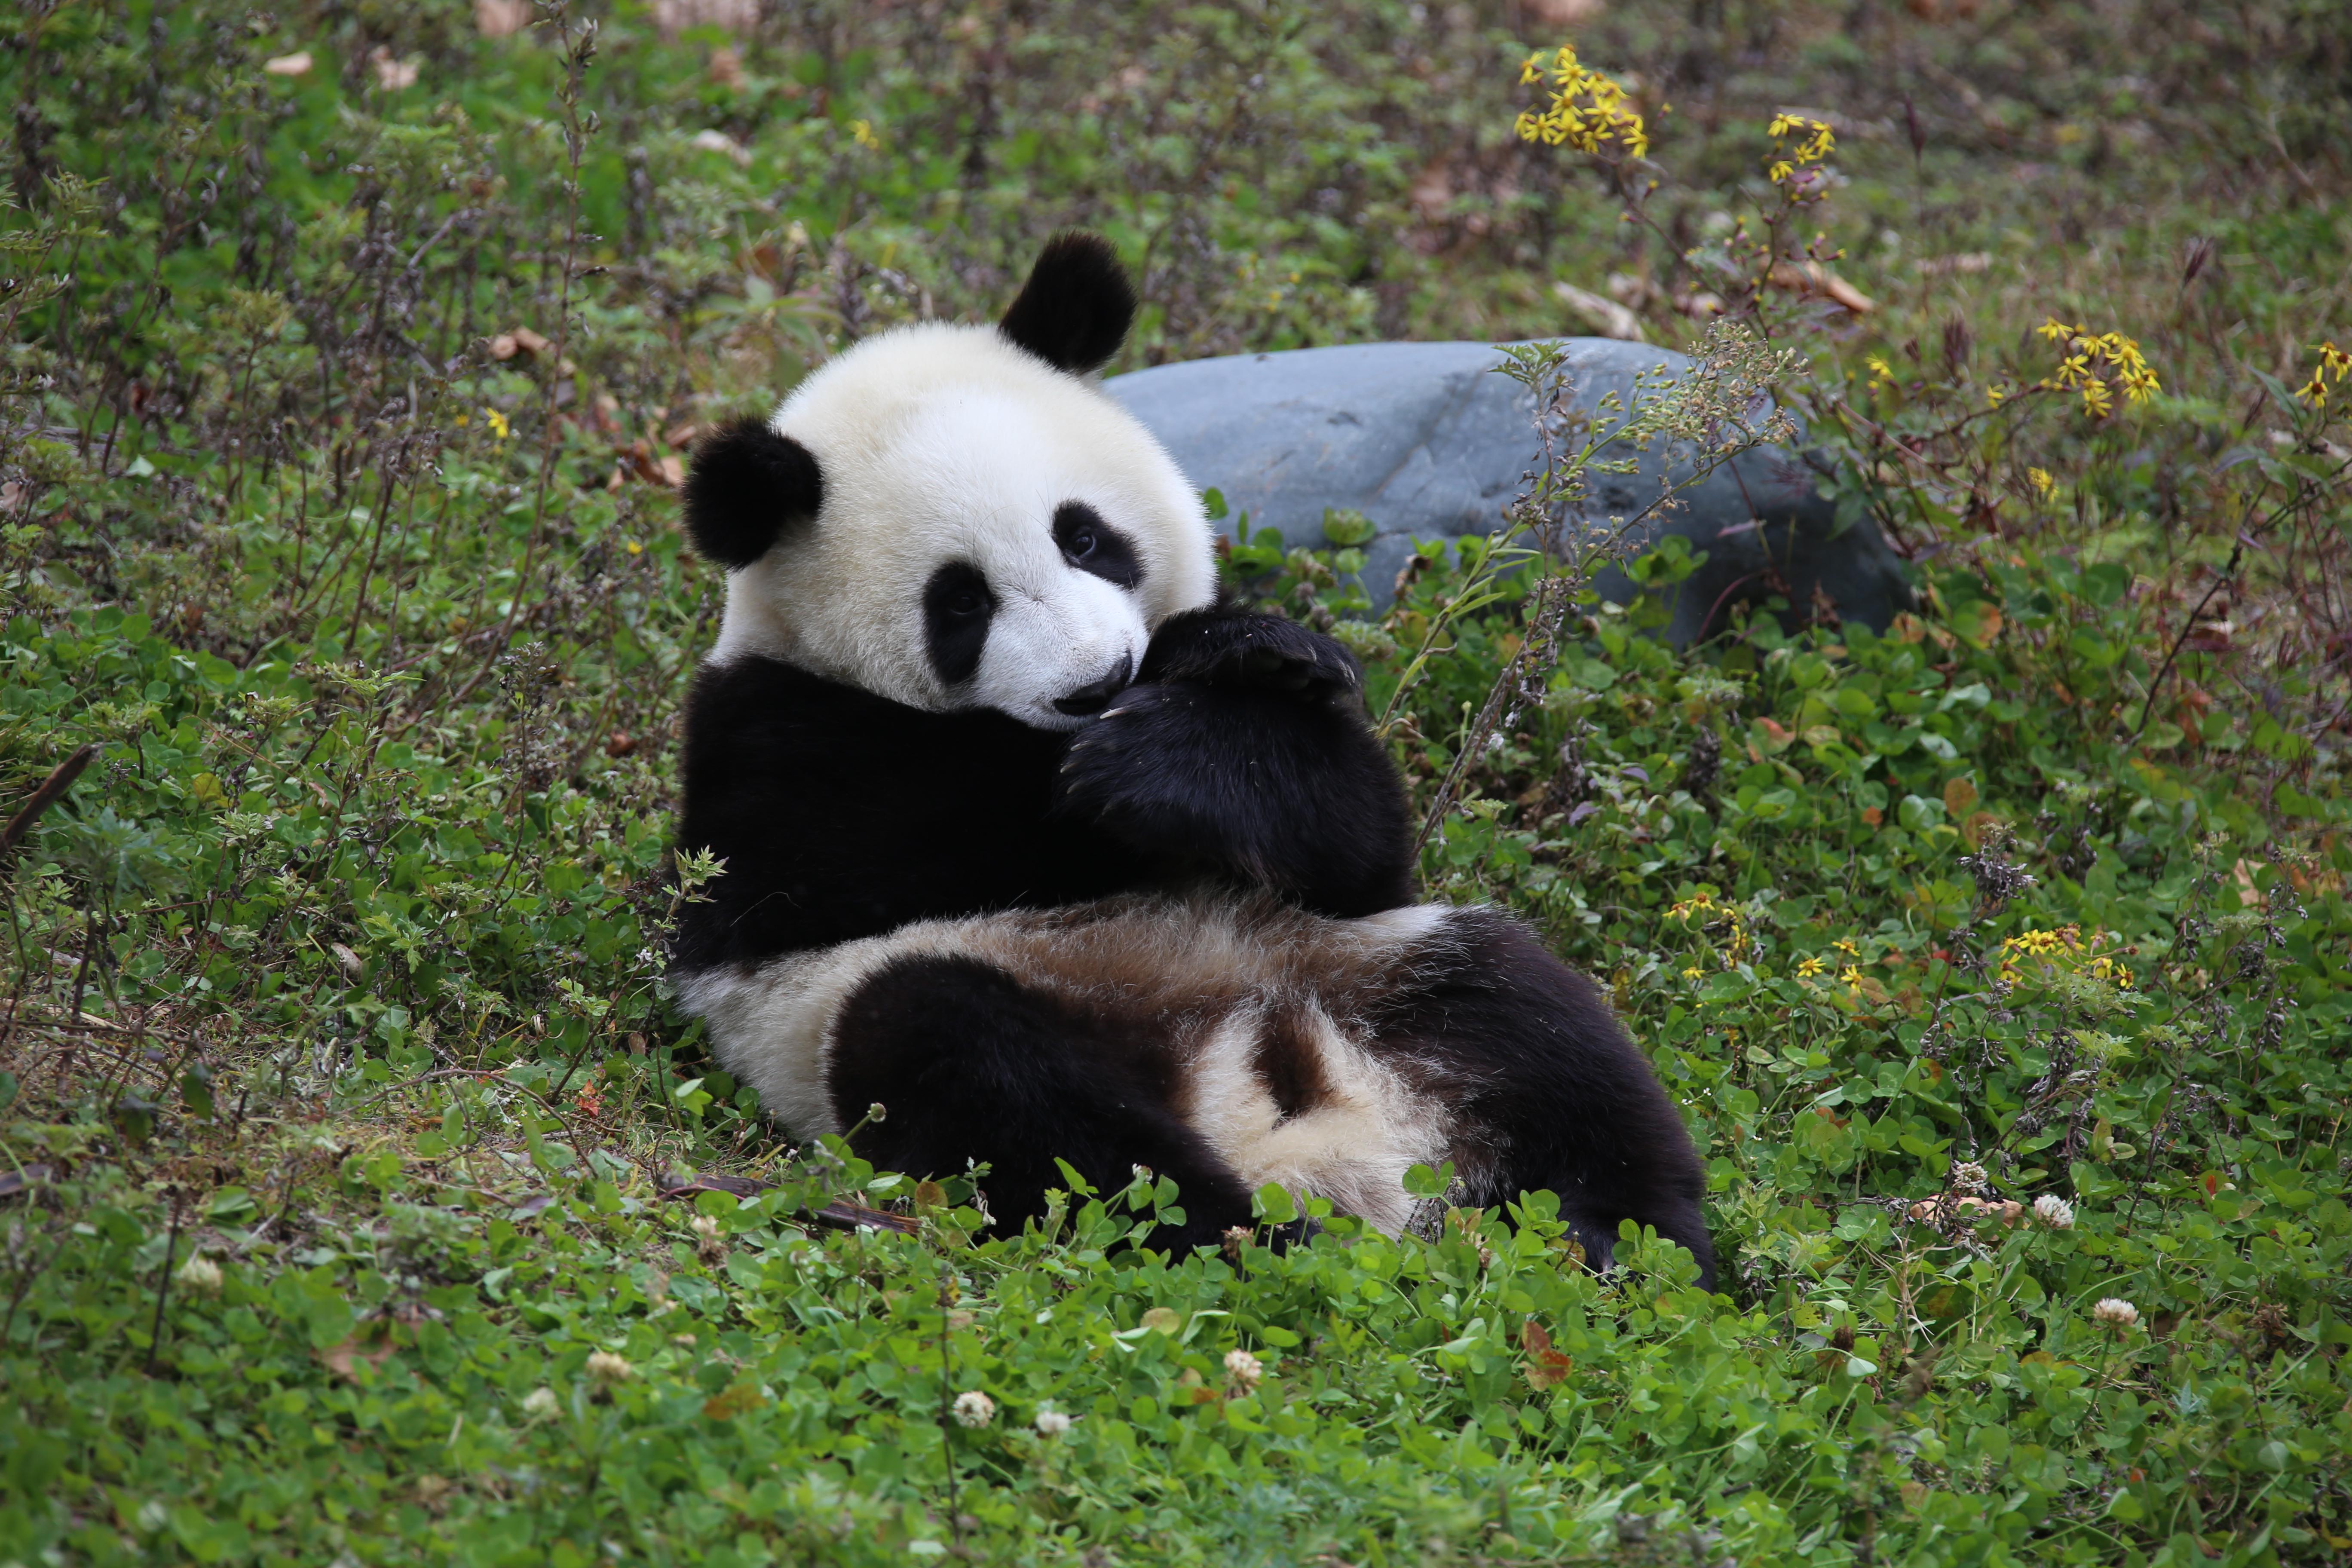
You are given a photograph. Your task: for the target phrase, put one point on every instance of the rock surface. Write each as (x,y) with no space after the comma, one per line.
(1427,442)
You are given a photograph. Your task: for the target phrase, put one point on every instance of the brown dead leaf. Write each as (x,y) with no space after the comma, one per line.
(2008,1211)
(1812,277)
(1559,13)
(1959,797)
(501,19)
(1546,1367)
(1978,826)
(736,1399)
(343,1358)
(520,341)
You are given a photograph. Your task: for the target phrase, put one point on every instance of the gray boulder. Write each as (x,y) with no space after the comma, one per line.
(1428,442)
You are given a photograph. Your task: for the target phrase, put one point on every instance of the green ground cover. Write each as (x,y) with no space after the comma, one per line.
(338,1090)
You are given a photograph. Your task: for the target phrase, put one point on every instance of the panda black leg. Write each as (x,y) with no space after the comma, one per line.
(968,1063)
(1561,1096)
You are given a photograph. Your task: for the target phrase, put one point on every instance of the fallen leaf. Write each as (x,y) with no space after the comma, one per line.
(1604,316)
(343,1358)
(501,19)
(391,75)
(1959,797)
(14,1182)
(2007,1211)
(296,64)
(522,341)
(736,1400)
(720,141)
(1546,1367)
(1812,277)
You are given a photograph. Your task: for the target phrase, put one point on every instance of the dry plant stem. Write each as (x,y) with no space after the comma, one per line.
(164,1288)
(579,49)
(51,789)
(946,1397)
(1535,653)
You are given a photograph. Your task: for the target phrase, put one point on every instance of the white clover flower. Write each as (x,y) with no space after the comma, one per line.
(877,1113)
(605,1369)
(2115,1312)
(974,1408)
(539,1403)
(1969,1177)
(199,1275)
(705,1226)
(1243,1368)
(2055,1212)
(1051,1422)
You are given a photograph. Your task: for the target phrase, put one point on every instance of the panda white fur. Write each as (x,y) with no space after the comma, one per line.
(1031,839)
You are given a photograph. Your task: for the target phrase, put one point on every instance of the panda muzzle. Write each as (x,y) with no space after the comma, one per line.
(1096,695)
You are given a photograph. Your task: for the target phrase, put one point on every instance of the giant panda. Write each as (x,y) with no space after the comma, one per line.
(1034,841)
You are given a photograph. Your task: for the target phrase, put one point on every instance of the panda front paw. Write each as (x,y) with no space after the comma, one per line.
(1226,647)
(1295,797)
(1140,770)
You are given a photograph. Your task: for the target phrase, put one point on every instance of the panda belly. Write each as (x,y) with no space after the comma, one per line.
(1255,1025)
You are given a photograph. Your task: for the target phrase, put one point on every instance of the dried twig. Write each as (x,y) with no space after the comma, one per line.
(61,780)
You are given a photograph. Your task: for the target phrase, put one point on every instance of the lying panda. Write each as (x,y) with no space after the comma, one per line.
(1033,840)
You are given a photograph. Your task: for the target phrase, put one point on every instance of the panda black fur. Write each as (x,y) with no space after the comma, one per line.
(1031,839)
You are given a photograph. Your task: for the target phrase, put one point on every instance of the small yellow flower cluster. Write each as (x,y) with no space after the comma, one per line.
(1588,111)
(2062,949)
(2097,365)
(1800,145)
(1882,375)
(2042,482)
(1703,910)
(2332,364)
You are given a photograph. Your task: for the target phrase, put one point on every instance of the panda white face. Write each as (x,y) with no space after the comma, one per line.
(992,532)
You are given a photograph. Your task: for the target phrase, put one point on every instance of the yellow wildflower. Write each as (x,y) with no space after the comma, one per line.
(2043,482)
(1809,967)
(1847,947)
(862,132)
(1588,111)
(1694,973)
(497,423)
(1800,145)
(2098,365)
(2333,363)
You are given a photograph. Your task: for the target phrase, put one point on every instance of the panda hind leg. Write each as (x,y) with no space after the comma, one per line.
(969,1064)
(1562,1099)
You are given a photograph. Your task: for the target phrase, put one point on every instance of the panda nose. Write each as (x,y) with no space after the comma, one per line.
(1096,695)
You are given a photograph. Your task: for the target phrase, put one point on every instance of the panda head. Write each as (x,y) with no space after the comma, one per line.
(958,517)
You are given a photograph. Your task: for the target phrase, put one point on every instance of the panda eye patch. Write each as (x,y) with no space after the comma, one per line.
(1094,546)
(957,607)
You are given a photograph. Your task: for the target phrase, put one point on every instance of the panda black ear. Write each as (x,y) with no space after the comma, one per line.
(1074,311)
(747,484)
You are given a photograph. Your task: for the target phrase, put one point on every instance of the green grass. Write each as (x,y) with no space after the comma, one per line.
(338,970)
